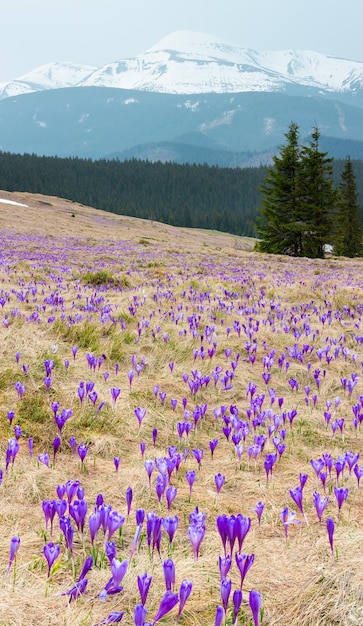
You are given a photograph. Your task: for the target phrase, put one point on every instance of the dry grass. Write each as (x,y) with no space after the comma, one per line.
(134,282)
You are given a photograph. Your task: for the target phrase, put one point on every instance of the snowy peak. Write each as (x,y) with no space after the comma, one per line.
(49,76)
(187,62)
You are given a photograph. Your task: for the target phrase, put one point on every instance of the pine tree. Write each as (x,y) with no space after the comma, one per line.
(279,224)
(318,197)
(348,236)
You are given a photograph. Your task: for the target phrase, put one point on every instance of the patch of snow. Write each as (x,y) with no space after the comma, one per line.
(341,117)
(226,118)
(269,124)
(188,104)
(5,201)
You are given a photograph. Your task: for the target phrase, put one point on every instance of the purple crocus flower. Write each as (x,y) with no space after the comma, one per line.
(60,490)
(225,590)
(144,583)
(77,590)
(168,602)
(149,466)
(220,616)
(160,486)
(255,601)
(140,516)
(238,529)
(88,564)
(130,376)
(82,452)
(116,462)
(17,432)
(212,445)
(115,392)
(114,522)
(287,519)
(259,510)
(341,494)
(110,551)
(320,503)
(118,570)
(30,447)
(237,601)
(222,522)
(198,455)
(113,618)
(330,528)
(196,533)
(71,487)
(297,496)
(184,593)
(169,574)
(68,531)
(11,452)
(14,547)
(113,586)
(190,476)
(317,466)
(154,435)
(44,458)
(140,414)
(78,511)
(49,510)
(128,499)
(244,563)
(51,552)
(225,563)
(170,525)
(358,471)
(56,446)
(170,495)
(219,480)
(139,615)
(351,459)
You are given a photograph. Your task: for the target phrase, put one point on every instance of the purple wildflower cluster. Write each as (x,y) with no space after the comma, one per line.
(196,416)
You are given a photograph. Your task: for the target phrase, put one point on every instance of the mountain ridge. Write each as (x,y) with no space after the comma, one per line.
(228,100)
(188,62)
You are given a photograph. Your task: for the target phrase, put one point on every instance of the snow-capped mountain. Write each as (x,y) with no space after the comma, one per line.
(190,98)
(188,62)
(50,76)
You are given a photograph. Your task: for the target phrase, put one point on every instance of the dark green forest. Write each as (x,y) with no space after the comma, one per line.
(199,196)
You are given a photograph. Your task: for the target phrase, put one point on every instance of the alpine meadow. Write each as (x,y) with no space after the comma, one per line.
(181,418)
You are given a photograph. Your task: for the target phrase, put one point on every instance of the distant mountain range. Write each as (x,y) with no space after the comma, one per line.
(190,98)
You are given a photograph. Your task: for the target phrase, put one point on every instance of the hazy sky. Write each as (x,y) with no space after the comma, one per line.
(95,32)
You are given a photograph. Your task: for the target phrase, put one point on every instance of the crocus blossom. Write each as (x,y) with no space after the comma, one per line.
(51,552)
(255,601)
(167,603)
(14,547)
(330,526)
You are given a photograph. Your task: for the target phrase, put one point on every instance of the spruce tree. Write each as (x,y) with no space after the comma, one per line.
(279,223)
(318,197)
(348,236)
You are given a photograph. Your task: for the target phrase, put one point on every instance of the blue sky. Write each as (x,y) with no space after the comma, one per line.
(95,32)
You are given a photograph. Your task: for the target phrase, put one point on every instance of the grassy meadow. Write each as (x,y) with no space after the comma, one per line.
(260,355)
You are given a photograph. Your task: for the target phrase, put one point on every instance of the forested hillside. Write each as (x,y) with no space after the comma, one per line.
(197,196)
